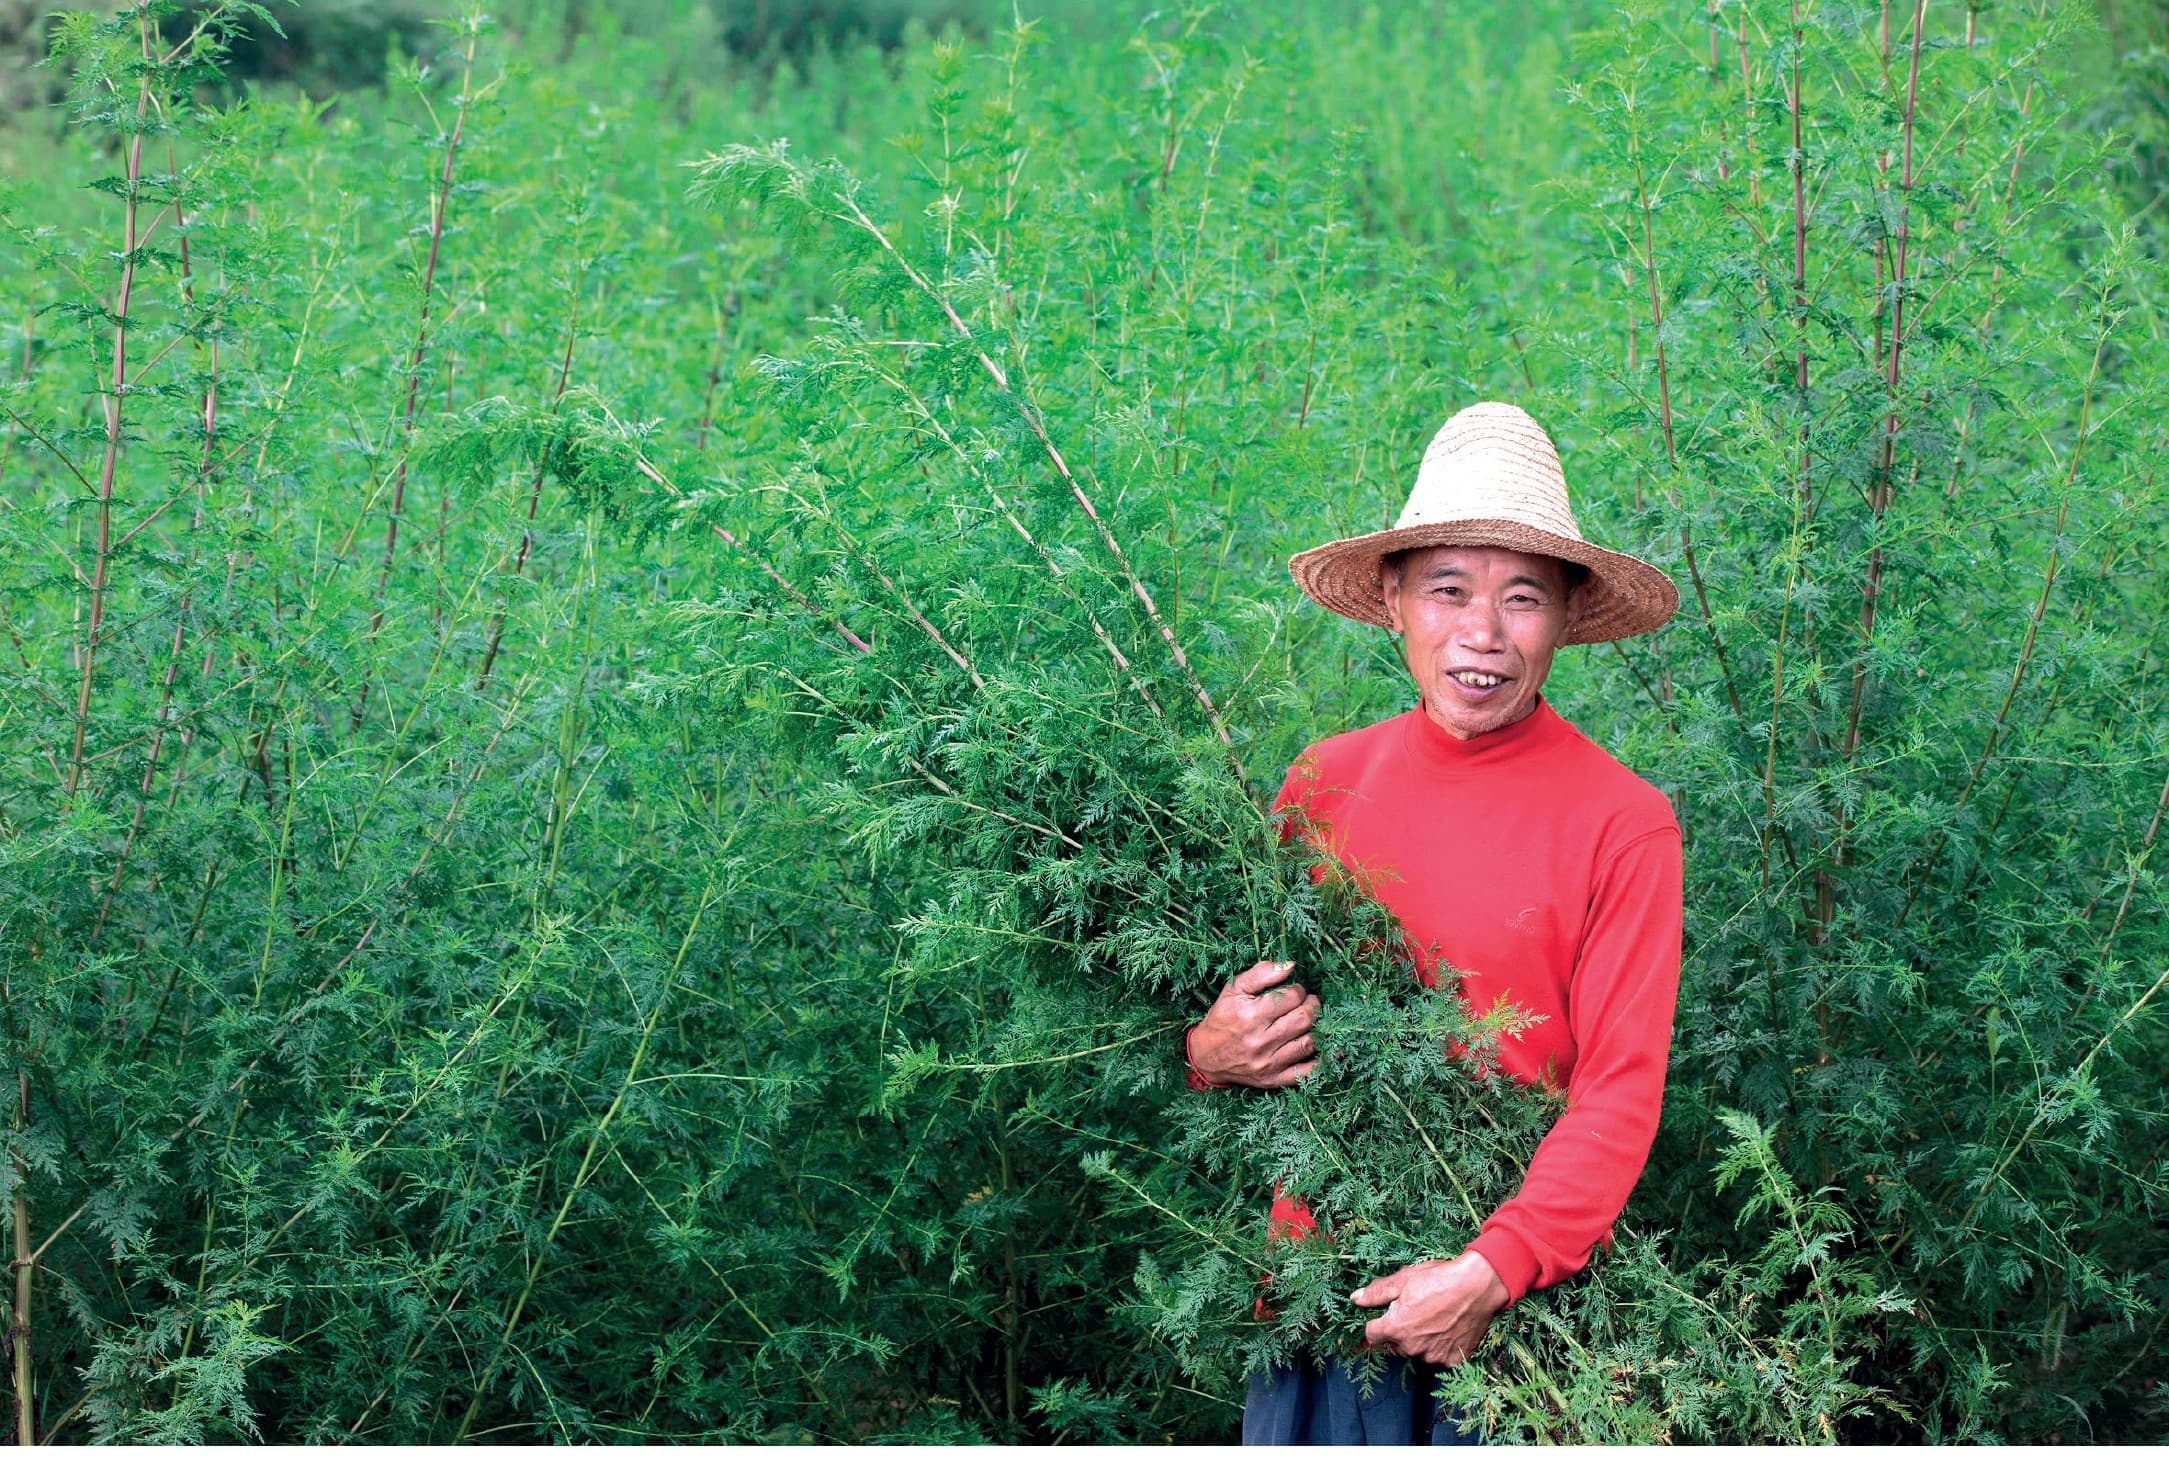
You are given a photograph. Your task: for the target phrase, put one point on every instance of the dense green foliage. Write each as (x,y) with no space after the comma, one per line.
(618,778)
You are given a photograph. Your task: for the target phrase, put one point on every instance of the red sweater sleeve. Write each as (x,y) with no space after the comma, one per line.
(1620,1002)
(1289,797)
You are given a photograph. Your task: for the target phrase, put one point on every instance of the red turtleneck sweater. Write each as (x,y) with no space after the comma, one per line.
(1548,872)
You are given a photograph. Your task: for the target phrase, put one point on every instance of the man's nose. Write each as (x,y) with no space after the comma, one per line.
(1480,628)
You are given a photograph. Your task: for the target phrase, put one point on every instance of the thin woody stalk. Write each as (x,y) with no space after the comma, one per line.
(2131,885)
(236,560)
(421,343)
(1002,505)
(1880,495)
(2043,1112)
(649,470)
(18,1339)
(722,310)
(596,1137)
(2047,708)
(2040,608)
(293,1016)
(918,617)
(1995,276)
(180,619)
(1664,403)
(116,390)
(850,213)
(233,1086)
(805,602)
(542,466)
(1803,487)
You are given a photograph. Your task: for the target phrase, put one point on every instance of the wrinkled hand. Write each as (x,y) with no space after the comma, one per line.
(1257,1032)
(1437,1311)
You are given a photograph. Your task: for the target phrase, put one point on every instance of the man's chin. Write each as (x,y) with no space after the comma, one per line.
(1473,720)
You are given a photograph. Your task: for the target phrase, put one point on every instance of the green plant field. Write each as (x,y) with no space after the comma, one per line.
(643,656)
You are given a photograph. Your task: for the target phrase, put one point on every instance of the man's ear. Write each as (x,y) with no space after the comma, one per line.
(1576,598)
(1389,589)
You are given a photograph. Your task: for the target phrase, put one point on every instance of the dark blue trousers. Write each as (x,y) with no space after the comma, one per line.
(1307,1405)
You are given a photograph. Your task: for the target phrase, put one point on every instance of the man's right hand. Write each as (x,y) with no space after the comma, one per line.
(1257,1032)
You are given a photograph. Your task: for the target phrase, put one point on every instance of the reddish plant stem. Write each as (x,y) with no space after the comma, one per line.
(180,619)
(733,541)
(421,347)
(1655,700)
(1671,450)
(18,1338)
(647,469)
(1880,493)
(2033,626)
(2131,884)
(542,467)
(1002,505)
(1803,489)
(113,418)
(963,663)
(1030,414)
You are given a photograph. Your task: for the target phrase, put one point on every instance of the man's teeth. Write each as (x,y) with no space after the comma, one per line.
(1479,679)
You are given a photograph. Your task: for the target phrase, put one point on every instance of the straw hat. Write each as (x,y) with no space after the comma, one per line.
(1490,478)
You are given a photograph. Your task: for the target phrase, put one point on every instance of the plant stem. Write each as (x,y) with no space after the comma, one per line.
(114,413)
(1033,421)
(579,1179)
(421,345)
(542,466)
(2040,609)
(1002,505)
(2041,1115)
(1879,497)
(2131,884)
(715,369)
(18,1338)
(1664,402)
(195,526)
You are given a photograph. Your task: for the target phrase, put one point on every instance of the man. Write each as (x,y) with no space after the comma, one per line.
(1512,846)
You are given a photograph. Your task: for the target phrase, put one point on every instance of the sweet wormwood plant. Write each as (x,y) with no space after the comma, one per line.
(1816,311)
(1007,701)
(294,1141)
(453,983)
(398,1048)
(1883,374)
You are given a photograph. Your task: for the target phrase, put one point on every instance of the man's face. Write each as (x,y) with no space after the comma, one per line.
(1479,626)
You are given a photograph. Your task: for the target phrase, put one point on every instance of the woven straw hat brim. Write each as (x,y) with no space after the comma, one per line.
(1624,596)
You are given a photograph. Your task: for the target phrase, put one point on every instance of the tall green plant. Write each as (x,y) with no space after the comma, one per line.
(606,1038)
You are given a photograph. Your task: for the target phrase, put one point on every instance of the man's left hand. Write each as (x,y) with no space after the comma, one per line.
(1437,1311)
